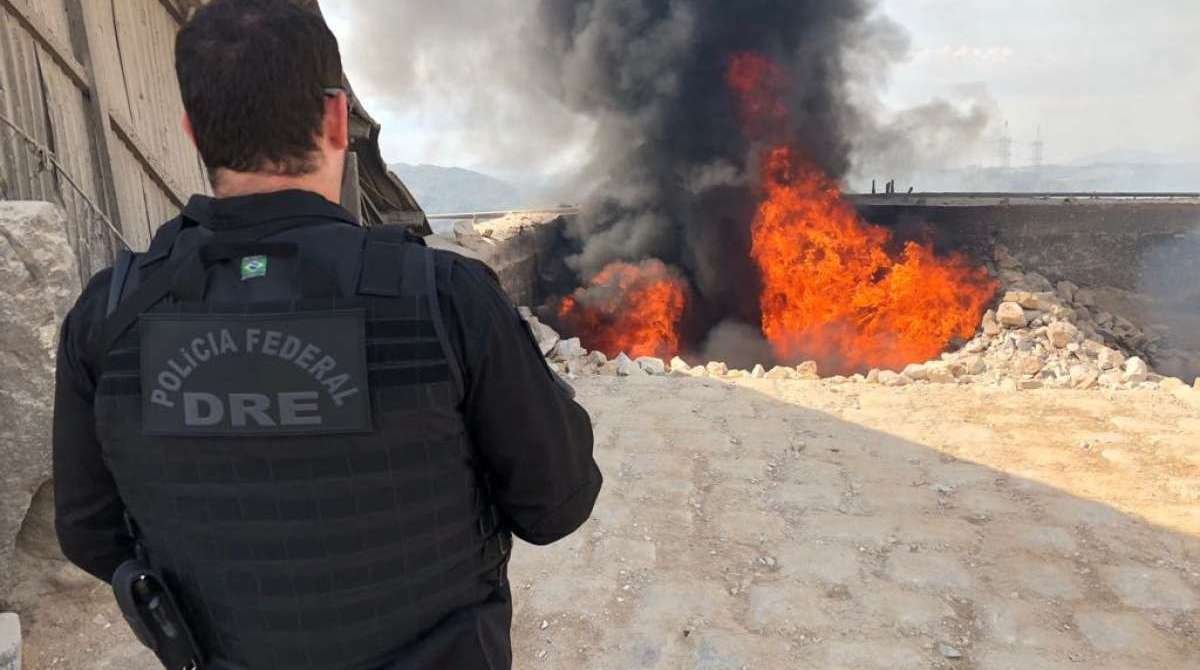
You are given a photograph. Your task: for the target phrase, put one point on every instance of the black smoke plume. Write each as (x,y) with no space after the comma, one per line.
(676,169)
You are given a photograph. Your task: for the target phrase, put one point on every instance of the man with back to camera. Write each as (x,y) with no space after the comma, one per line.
(318,436)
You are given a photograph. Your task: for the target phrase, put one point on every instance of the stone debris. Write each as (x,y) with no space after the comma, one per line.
(10,641)
(651,365)
(566,350)
(1040,335)
(1011,315)
(717,369)
(780,372)
(626,367)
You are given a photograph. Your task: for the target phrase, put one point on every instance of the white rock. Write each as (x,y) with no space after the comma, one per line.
(627,368)
(736,374)
(717,369)
(680,365)
(939,372)
(652,366)
(1136,371)
(569,349)
(1110,359)
(973,365)
(546,336)
(1084,376)
(873,376)
(916,372)
(780,372)
(1011,315)
(991,327)
(525,312)
(698,371)
(1062,333)
(808,370)
(597,358)
(39,281)
(758,372)
(10,641)
(889,378)
(1111,379)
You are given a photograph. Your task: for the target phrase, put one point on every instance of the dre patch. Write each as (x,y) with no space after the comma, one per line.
(257,374)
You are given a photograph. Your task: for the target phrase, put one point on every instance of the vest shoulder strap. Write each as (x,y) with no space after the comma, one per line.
(394,263)
(120,276)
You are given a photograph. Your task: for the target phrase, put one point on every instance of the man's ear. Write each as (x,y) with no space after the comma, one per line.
(187,128)
(337,121)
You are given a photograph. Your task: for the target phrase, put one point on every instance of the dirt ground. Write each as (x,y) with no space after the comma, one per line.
(790,524)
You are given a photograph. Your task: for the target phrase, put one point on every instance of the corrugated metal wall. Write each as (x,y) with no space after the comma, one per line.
(97,130)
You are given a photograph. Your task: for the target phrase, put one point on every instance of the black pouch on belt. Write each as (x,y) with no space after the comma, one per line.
(154,615)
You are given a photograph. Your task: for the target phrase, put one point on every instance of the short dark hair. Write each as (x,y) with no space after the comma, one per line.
(254,75)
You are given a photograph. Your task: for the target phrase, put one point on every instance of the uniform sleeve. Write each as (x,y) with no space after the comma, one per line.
(89,514)
(534,439)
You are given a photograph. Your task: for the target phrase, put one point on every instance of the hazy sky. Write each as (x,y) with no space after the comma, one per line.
(1097,76)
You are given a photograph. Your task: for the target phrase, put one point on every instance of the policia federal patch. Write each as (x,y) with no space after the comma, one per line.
(258,374)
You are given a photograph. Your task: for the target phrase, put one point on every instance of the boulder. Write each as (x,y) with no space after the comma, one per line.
(1011,315)
(546,336)
(808,370)
(651,365)
(717,369)
(889,378)
(41,281)
(780,372)
(597,358)
(991,327)
(1110,359)
(1066,291)
(873,376)
(10,641)
(1136,371)
(627,368)
(680,365)
(1062,333)
(569,349)
(973,365)
(698,371)
(916,372)
(758,372)
(939,372)
(1084,376)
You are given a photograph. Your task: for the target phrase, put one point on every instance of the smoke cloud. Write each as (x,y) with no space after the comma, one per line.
(632,95)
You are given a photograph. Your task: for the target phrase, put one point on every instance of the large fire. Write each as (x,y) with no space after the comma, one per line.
(635,309)
(834,293)
(835,288)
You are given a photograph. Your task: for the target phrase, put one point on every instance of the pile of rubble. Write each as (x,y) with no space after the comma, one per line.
(1040,335)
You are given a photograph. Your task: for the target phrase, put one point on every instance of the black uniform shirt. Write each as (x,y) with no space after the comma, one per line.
(535,441)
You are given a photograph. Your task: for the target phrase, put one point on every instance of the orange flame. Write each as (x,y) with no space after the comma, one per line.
(628,308)
(831,289)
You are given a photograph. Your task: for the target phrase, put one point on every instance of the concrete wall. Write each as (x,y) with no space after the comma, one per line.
(1134,245)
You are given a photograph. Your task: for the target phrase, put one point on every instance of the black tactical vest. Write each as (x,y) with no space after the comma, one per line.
(298,466)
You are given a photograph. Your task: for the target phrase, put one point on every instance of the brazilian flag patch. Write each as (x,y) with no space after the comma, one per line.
(254,267)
